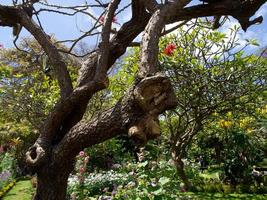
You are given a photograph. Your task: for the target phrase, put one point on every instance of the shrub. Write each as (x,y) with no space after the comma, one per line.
(96,183)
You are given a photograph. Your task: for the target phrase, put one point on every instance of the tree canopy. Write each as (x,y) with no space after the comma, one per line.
(62,132)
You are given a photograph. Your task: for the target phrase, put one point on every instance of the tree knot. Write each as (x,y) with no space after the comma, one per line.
(35,155)
(155,94)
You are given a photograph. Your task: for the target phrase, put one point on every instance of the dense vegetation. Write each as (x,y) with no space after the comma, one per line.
(139,99)
(209,142)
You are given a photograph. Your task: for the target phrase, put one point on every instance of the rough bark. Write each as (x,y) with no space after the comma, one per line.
(132,110)
(136,114)
(52,182)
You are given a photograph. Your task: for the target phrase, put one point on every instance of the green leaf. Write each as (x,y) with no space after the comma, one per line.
(164,180)
(143,164)
(158,192)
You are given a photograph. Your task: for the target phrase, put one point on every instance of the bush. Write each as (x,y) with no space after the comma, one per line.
(96,183)
(7,162)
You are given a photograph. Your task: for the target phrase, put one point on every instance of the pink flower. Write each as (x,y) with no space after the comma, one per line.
(169,49)
(82,170)
(82,154)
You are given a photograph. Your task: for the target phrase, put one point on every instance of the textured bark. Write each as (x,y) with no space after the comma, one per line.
(128,112)
(52,181)
(63,135)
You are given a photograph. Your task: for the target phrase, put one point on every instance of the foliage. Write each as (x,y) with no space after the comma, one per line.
(211,74)
(103,156)
(233,140)
(8,172)
(96,184)
(21,190)
(21,115)
(6,188)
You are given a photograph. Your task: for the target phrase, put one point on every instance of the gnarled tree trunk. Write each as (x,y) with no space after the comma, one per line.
(63,135)
(136,114)
(52,182)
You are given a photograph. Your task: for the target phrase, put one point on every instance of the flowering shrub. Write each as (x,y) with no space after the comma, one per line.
(151,180)
(8,163)
(96,183)
(5,177)
(81,165)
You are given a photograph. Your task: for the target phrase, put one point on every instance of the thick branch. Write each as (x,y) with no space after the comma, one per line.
(149,45)
(75,105)
(151,5)
(8,16)
(126,113)
(241,10)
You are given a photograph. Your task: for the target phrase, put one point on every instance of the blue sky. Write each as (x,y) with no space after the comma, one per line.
(68,27)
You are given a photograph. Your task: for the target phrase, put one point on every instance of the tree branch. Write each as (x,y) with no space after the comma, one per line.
(241,10)
(150,97)
(149,45)
(52,52)
(104,45)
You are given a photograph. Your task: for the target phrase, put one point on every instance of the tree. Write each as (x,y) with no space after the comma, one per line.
(63,134)
(210,75)
(213,77)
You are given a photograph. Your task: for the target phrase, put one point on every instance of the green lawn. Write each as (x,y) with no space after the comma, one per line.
(21,191)
(220,196)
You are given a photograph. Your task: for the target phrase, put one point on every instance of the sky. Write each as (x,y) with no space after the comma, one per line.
(63,27)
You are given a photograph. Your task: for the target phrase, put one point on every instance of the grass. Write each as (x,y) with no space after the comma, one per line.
(220,196)
(21,191)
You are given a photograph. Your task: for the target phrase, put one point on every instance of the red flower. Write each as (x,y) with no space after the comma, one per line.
(169,49)
(102,19)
